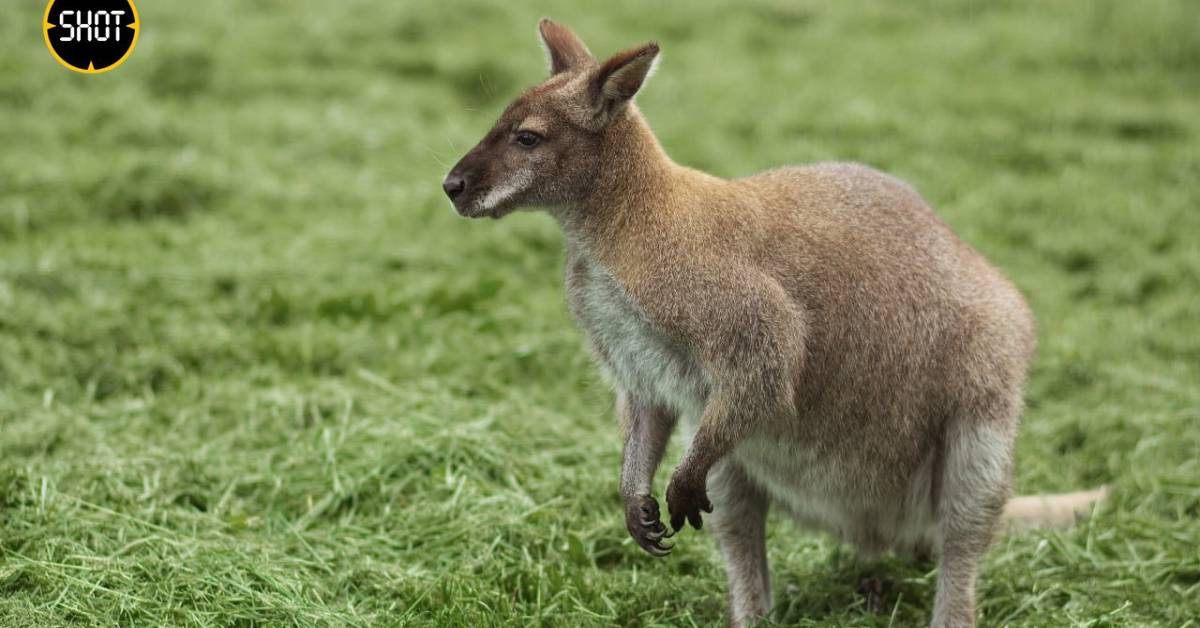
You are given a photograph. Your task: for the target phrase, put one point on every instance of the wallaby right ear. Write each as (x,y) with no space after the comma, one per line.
(617,80)
(566,50)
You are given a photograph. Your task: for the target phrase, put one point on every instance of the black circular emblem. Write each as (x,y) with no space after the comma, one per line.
(91,36)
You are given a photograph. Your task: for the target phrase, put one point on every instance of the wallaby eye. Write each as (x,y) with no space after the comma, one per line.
(527,139)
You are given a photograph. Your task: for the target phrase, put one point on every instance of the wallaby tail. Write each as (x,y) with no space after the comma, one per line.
(1052,511)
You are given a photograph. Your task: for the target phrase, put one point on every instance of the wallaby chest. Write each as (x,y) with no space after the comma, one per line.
(634,353)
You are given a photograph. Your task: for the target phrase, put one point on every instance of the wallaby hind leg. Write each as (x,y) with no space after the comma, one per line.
(975,484)
(739,521)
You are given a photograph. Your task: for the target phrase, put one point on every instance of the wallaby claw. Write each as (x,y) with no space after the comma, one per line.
(686,502)
(873,591)
(642,518)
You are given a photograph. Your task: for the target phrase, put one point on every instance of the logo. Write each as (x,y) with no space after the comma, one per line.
(91,36)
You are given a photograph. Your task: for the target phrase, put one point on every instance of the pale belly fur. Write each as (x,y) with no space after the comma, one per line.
(642,361)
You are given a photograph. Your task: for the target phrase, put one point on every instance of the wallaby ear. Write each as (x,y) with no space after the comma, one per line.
(619,78)
(566,50)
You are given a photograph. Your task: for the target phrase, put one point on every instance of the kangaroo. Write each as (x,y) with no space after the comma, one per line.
(828,344)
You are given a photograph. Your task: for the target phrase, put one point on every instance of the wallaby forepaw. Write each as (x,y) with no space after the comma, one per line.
(645,525)
(873,591)
(686,500)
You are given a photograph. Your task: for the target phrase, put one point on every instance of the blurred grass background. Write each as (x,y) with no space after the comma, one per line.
(253,370)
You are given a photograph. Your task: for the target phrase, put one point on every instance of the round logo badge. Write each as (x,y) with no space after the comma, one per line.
(91,36)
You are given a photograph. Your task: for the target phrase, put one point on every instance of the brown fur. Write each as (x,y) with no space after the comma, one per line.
(564,48)
(828,342)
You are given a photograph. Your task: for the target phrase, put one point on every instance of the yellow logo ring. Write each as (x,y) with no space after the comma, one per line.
(136,25)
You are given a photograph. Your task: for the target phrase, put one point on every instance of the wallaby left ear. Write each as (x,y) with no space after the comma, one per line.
(566,50)
(620,78)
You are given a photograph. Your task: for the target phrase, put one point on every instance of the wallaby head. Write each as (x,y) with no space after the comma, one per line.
(549,144)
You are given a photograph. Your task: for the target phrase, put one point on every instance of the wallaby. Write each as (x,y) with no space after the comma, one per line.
(829,345)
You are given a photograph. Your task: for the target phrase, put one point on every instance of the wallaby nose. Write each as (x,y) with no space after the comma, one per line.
(454,185)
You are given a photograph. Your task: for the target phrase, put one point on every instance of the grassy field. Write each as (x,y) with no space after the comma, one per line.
(253,370)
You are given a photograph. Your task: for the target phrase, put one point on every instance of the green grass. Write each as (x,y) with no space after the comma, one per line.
(253,371)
